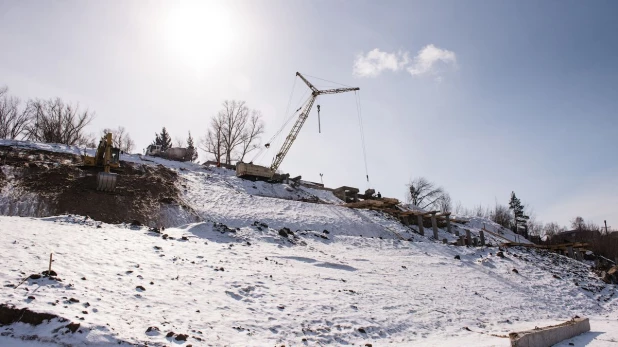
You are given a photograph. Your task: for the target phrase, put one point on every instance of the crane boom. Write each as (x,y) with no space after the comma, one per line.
(289,140)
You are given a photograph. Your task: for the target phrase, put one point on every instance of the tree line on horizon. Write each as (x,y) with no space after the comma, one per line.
(520,218)
(233,132)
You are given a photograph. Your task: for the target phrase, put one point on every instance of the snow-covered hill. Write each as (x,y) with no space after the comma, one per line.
(263,266)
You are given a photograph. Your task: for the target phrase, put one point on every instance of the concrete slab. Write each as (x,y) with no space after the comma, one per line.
(549,336)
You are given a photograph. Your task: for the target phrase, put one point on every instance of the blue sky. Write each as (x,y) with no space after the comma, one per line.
(517,95)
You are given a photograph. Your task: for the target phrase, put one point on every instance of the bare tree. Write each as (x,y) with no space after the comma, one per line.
(180,142)
(578,223)
(444,203)
(535,228)
(212,142)
(423,193)
(501,214)
(240,129)
(250,136)
(13,119)
(459,209)
(53,121)
(120,139)
(551,229)
(591,226)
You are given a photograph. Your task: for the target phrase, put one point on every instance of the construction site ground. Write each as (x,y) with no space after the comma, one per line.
(254,263)
(61,185)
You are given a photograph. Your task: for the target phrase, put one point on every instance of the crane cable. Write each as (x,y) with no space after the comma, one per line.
(275,140)
(362,132)
(287,109)
(260,154)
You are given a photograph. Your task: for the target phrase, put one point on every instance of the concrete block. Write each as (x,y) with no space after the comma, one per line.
(434,226)
(448,224)
(475,241)
(421,230)
(551,335)
(445,241)
(571,254)
(579,255)
(468,238)
(482,236)
(456,231)
(462,240)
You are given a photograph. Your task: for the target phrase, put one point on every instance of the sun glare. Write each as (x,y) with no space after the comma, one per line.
(199,34)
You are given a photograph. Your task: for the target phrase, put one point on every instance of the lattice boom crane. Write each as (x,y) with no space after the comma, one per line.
(252,171)
(289,140)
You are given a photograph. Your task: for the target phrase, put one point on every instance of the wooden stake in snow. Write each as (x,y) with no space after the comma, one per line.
(50,261)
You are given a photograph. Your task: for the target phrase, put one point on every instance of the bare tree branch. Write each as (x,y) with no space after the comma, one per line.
(233,133)
(423,193)
(13,119)
(212,141)
(53,121)
(120,138)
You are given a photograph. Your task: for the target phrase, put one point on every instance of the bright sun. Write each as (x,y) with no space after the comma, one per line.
(199,33)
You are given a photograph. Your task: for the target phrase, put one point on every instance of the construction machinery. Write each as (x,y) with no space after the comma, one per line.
(106,157)
(258,172)
(175,153)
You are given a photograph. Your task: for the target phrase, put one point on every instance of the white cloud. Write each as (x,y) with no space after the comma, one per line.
(376,61)
(427,61)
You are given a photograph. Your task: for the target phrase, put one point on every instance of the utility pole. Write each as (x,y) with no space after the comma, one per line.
(606,233)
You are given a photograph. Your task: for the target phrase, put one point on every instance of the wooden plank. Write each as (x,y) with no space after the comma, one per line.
(443,214)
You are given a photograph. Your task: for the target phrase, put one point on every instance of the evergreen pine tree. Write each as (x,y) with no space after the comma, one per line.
(518,212)
(191,145)
(165,139)
(157,141)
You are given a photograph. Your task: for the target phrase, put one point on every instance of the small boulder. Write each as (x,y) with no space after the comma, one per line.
(170,334)
(457,257)
(48,273)
(181,337)
(515,271)
(362,331)
(152,331)
(73,327)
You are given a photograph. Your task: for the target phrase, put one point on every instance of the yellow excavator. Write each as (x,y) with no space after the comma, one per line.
(106,157)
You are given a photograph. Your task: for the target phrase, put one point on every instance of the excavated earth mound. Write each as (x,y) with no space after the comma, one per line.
(64,187)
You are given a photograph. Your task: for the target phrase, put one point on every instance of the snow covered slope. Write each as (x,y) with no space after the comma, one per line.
(248,287)
(270,264)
